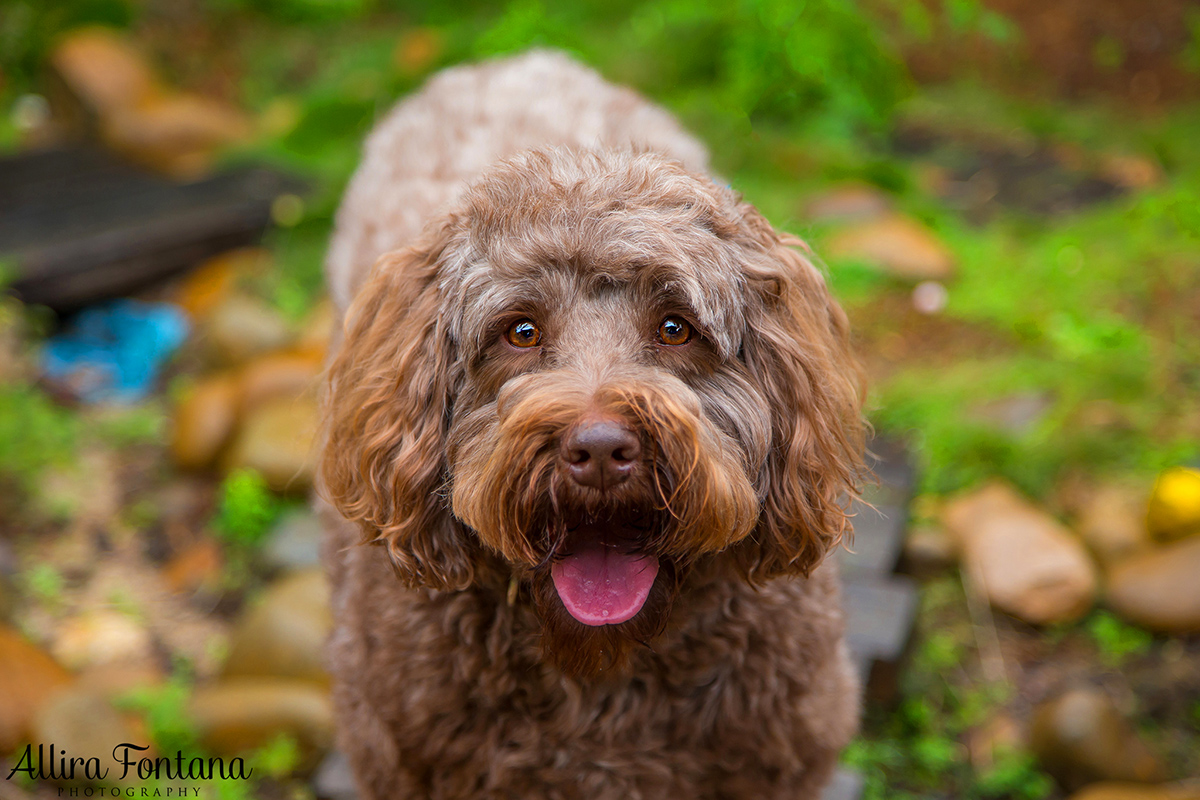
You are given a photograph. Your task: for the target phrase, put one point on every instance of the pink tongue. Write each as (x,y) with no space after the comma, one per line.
(603,586)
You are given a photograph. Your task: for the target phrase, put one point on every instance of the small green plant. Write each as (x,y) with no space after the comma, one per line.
(1014,774)
(164,710)
(34,434)
(45,583)
(1116,640)
(247,508)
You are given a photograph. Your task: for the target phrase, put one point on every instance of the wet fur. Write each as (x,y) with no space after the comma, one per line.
(458,673)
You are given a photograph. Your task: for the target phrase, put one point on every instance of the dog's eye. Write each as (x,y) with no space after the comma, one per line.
(674,331)
(523,333)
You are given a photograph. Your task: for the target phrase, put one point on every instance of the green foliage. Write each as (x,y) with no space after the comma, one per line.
(1116,640)
(34,434)
(44,582)
(164,710)
(278,758)
(1014,775)
(247,508)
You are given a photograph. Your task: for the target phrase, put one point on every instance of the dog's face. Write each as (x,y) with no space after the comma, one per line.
(601,368)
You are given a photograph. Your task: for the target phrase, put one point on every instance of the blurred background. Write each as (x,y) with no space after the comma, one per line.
(1006,194)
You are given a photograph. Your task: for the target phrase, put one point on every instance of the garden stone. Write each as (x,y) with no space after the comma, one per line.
(1112,523)
(880,615)
(102,636)
(204,421)
(283,633)
(1137,791)
(81,722)
(1160,588)
(242,327)
(30,678)
(283,374)
(898,245)
(276,440)
(844,785)
(850,202)
(295,541)
(1079,737)
(240,714)
(1020,558)
(334,780)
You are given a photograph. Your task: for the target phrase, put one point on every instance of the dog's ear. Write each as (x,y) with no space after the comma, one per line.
(797,348)
(386,413)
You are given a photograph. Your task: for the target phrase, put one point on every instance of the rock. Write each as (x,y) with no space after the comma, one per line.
(113,681)
(209,284)
(844,785)
(1159,588)
(104,71)
(881,612)
(240,714)
(1131,171)
(204,422)
(850,202)
(1137,791)
(283,634)
(287,374)
(898,245)
(991,741)
(196,568)
(295,541)
(1112,522)
(928,551)
(1174,508)
(242,327)
(276,439)
(178,133)
(84,724)
(334,780)
(1080,738)
(30,678)
(135,112)
(1020,558)
(102,636)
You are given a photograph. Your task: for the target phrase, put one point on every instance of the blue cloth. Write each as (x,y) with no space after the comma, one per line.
(113,353)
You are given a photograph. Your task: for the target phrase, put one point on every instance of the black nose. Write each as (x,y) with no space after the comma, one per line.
(601,452)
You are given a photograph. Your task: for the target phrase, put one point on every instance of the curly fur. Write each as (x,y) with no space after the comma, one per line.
(529,188)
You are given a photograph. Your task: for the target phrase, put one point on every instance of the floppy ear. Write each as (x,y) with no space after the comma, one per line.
(797,349)
(386,413)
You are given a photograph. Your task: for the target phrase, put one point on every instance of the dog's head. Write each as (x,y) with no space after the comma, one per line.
(603,369)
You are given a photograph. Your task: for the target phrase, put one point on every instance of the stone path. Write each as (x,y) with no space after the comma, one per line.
(881,606)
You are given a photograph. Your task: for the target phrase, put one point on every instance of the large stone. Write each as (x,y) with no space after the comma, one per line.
(30,678)
(287,374)
(83,723)
(900,246)
(238,715)
(1160,588)
(135,112)
(241,327)
(283,633)
(204,422)
(1080,738)
(276,439)
(880,615)
(1112,523)
(1138,791)
(100,637)
(1024,561)
(850,202)
(295,541)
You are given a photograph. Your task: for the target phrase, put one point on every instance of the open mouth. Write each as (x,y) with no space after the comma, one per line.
(600,576)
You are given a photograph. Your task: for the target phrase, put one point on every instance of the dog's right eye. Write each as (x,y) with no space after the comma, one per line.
(523,333)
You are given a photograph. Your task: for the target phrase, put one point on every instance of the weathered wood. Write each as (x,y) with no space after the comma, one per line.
(78,225)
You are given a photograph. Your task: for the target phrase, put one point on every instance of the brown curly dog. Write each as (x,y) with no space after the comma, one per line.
(599,420)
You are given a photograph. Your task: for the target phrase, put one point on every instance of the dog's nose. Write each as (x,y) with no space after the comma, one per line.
(601,452)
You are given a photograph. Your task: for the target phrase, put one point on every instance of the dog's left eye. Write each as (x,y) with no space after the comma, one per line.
(523,333)
(674,331)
